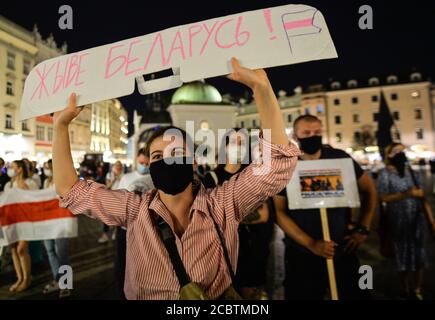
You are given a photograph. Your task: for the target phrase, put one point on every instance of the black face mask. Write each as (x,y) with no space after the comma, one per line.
(399,162)
(311,144)
(172,178)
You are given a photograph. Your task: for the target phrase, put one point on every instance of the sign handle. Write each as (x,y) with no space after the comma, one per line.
(329,262)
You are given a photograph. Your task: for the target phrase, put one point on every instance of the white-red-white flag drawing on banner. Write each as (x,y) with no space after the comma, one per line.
(34,215)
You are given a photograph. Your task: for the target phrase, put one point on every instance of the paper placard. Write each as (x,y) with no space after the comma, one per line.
(259,39)
(327,183)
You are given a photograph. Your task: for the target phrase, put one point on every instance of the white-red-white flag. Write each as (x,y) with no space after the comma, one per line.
(34,215)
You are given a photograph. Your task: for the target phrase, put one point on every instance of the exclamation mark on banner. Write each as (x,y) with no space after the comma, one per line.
(268,16)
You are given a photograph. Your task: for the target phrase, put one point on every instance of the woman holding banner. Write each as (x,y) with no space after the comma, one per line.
(19,173)
(180,225)
(406,214)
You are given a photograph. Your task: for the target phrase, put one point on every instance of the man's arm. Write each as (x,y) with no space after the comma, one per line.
(321,248)
(369,200)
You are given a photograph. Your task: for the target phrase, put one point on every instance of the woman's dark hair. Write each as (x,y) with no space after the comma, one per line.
(388,150)
(160,131)
(142,151)
(21,164)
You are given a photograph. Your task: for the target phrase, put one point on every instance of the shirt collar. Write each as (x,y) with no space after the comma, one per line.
(199,202)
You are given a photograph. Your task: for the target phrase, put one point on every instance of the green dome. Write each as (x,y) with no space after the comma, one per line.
(196,92)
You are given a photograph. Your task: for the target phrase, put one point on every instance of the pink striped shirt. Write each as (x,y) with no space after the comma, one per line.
(149,272)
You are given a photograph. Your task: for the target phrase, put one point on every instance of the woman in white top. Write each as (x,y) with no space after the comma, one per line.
(19,173)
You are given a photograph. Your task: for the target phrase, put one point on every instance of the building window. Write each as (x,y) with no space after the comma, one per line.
(320,109)
(337,119)
(9,122)
(50,134)
(336,102)
(352,84)
(307,110)
(394,96)
(415,94)
(418,114)
(397,135)
(392,79)
(254,123)
(242,124)
(375,98)
(373,81)
(419,133)
(24,126)
(335,85)
(40,133)
(338,137)
(354,100)
(289,118)
(357,136)
(416,76)
(11,61)
(375,116)
(356,118)
(396,115)
(9,88)
(26,66)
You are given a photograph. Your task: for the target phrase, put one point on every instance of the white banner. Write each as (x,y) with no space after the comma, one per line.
(259,39)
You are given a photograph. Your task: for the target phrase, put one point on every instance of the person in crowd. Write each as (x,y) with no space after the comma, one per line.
(57,249)
(138,181)
(101,173)
(399,189)
(33,172)
(20,178)
(256,229)
(113,178)
(432,171)
(202,167)
(4,178)
(306,271)
(180,218)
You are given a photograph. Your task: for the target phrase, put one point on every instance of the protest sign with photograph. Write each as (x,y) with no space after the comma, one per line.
(328,183)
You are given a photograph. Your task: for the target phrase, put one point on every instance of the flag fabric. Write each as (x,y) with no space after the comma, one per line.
(34,215)
(385,123)
(300,23)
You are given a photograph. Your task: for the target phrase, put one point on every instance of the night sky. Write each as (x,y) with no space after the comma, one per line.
(403,38)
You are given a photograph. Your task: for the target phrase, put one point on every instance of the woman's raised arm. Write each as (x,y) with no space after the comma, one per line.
(64,173)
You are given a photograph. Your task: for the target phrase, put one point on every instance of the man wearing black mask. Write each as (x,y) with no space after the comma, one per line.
(306,272)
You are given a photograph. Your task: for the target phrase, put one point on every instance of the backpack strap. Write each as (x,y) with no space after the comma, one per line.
(224,248)
(214,176)
(168,239)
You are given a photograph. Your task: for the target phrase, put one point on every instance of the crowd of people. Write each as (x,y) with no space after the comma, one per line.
(24,174)
(186,230)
